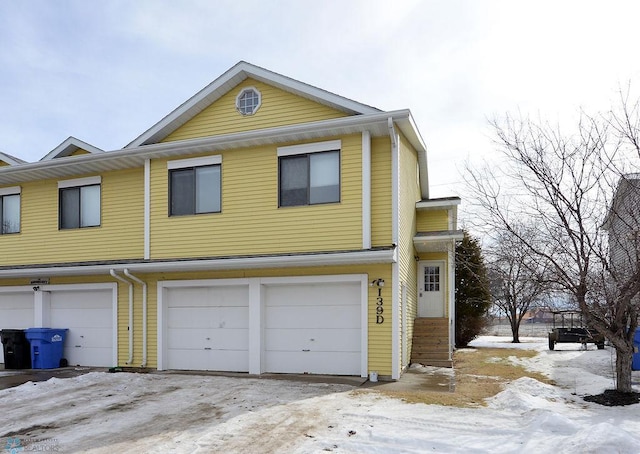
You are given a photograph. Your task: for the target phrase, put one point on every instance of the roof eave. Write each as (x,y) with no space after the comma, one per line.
(232,78)
(385,255)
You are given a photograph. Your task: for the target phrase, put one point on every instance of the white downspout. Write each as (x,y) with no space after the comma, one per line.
(112,272)
(395,267)
(144,315)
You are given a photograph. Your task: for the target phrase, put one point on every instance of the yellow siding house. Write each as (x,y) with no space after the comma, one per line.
(264,226)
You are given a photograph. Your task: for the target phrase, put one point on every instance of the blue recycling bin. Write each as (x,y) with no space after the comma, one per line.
(47,346)
(635,364)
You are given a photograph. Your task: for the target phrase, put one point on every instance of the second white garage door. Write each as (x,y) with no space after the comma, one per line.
(208,328)
(88,314)
(16,312)
(313,328)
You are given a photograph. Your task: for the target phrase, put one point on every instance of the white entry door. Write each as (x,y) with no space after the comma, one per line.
(431,289)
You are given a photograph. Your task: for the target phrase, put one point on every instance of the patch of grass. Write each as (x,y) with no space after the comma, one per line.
(479,374)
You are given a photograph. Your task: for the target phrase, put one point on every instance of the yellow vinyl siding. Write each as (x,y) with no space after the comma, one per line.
(3,164)
(120,235)
(79,152)
(278,108)
(381,191)
(379,335)
(432,220)
(250,221)
(409,194)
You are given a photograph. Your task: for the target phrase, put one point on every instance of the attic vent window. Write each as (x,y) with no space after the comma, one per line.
(248,101)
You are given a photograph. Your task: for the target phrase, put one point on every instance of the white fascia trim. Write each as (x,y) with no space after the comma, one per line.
(282,261)
(13,190)
(425,205)
(16,289)
(315,147)
(147,209)
(87,181)
(395,321)
(366,190)
(194,162)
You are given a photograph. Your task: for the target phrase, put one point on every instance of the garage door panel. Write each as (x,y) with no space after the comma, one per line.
(312,317)
(223,339)
(88,316)
(219,360)
(232,295)
(313,339)
(91,318)
(313,328)
(207,328)
(208,317)
(312,294)
(89,338)
(16,312)
(341,363)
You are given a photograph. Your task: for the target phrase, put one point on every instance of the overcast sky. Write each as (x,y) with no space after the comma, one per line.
(105,71)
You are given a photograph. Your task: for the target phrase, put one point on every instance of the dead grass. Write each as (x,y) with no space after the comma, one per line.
(479,373)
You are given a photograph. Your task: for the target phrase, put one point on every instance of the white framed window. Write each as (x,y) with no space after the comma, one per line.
(10,210)
(79,202)
(248,101)
(309,174)
(431,278)
(195,186)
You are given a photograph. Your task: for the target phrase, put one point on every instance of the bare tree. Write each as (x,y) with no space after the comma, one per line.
(564,185)
(517,279)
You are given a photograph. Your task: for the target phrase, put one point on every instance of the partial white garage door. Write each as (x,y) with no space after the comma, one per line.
(313,328)
(208,328)
(88,314)
(16,312)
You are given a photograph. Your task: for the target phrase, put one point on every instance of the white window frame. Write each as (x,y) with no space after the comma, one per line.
(308,149)
(79,183)
(188,163)
(13,190)
(255,108)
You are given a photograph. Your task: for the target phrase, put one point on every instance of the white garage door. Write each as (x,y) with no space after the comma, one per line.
(313,328)
(208,328)
(88,314)
(16,312)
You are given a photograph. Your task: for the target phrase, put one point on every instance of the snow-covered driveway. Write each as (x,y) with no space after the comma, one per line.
(101,412)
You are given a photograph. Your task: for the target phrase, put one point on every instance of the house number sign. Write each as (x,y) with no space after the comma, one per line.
(379,308)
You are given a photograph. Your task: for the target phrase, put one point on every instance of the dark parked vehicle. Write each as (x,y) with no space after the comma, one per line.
(569,327)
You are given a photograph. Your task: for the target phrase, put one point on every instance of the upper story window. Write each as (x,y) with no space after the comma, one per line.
(309,174)
(248,101)
(79,202)
(195,185)
(10,210)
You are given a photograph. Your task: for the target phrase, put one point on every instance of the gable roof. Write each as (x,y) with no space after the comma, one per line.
(70,146)
(228,81)
(11,160)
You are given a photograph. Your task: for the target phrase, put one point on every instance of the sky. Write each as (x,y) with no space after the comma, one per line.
(104,72)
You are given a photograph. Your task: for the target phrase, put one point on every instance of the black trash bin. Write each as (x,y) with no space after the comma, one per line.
(17,350)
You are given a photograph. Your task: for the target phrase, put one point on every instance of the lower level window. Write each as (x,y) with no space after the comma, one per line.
(194,190)
(80,207)
(10,213)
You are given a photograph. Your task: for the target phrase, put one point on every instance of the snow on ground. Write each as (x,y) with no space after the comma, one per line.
(104,413)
